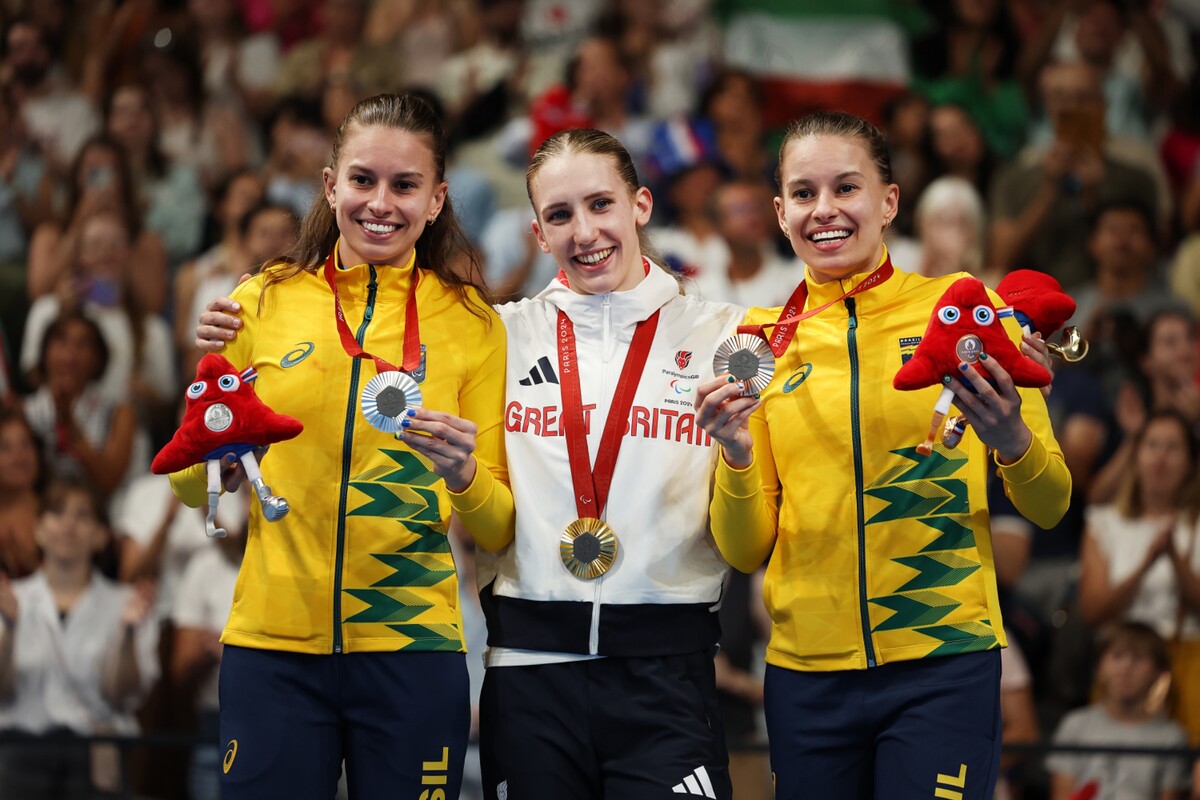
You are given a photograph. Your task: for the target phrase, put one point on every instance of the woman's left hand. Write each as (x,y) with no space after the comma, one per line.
(446,440)
(994,413)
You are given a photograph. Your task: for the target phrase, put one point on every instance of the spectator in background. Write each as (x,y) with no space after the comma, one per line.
(427,32)
(1140,559)
(237,195)
(950,226)
(239,68)
(957,147)
(298,149)
(733,102)
(1128,681)
(77,653)
(86,435)
(753,273)
(167,189)
(22,475)
(339,51)
(691,244)
(969,59)
(211,139)
(1094,31)
(100,180)
(1124,249)
(199,612)
(58,118)
(1040,208)
(102,285)
(906,125)
(24,200)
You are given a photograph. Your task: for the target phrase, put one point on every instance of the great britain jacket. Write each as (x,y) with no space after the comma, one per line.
(659,596)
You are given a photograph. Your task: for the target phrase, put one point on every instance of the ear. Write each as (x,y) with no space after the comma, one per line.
(891,202)
(439,200)
(778,201)
(643,204)
(541,240)
(329,180)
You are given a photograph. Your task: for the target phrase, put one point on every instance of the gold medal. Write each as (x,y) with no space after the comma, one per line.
(588,548)
(748,358)
(386,397)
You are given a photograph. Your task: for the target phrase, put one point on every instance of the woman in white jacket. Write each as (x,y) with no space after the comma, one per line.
(602,611)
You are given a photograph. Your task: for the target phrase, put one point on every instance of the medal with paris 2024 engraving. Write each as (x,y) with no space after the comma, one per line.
(747,358)
(386,397)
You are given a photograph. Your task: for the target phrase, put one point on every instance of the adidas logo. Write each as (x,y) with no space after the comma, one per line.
(696,785)
(542,372)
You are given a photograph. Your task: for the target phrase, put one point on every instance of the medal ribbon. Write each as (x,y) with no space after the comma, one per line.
(785,327)
(592,484)
(412,329)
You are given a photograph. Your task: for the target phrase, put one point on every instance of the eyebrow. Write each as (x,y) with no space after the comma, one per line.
(564,204)
(356,167)
(839,177)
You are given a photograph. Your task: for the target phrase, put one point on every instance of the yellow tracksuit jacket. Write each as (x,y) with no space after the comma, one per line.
(362,563)
(878,554)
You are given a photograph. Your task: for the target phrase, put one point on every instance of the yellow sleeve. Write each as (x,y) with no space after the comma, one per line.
(745,506)
(191,485)
(1038,483)
(486,506)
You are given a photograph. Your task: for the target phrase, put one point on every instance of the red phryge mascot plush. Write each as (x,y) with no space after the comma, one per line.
(964,325)
(224,416)
(1037,300)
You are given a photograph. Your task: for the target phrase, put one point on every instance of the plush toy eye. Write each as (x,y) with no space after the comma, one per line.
(196,389)
(948,315)
(229,383)
(984,315)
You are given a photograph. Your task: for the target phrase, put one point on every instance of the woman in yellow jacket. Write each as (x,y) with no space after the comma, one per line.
(883,666)
(345,637)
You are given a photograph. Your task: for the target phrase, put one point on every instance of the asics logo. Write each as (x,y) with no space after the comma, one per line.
(796,378)
(303,350)
(230,755)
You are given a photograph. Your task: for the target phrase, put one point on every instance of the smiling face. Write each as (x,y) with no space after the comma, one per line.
(834,205)
(383,189)
(588,219)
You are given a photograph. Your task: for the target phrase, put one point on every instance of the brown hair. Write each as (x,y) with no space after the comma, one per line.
(589,141)
(846,126)
(443,247)
(1128,500)
(1139,638)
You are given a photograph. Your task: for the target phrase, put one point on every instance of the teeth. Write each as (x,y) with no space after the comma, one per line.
(825,236)
(376,227)
(595,258)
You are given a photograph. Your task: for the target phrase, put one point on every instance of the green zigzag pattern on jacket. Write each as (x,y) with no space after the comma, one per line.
(925,489)
(969,637)
(398,493)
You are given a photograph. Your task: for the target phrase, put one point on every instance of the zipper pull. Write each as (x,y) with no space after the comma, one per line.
(850,310)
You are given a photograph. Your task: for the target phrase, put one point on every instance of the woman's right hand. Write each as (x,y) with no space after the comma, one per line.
(724,412)
(219,323)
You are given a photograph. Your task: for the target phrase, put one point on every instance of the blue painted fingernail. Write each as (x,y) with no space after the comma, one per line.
(412,412)
(406,424)
(963,367)
(399,434)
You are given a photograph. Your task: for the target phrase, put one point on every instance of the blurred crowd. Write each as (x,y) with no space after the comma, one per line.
(153,151)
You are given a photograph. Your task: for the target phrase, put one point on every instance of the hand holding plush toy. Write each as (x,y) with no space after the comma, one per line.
(964,326)
(224,416)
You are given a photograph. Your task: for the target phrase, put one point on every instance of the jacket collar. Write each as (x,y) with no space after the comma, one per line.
(391,282)
(820,293)
(626,308)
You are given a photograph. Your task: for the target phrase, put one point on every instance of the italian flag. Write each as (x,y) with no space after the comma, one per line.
(850,55)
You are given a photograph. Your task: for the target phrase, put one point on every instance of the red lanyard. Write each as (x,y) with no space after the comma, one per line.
(591,485)
(785,327)
(412,329)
